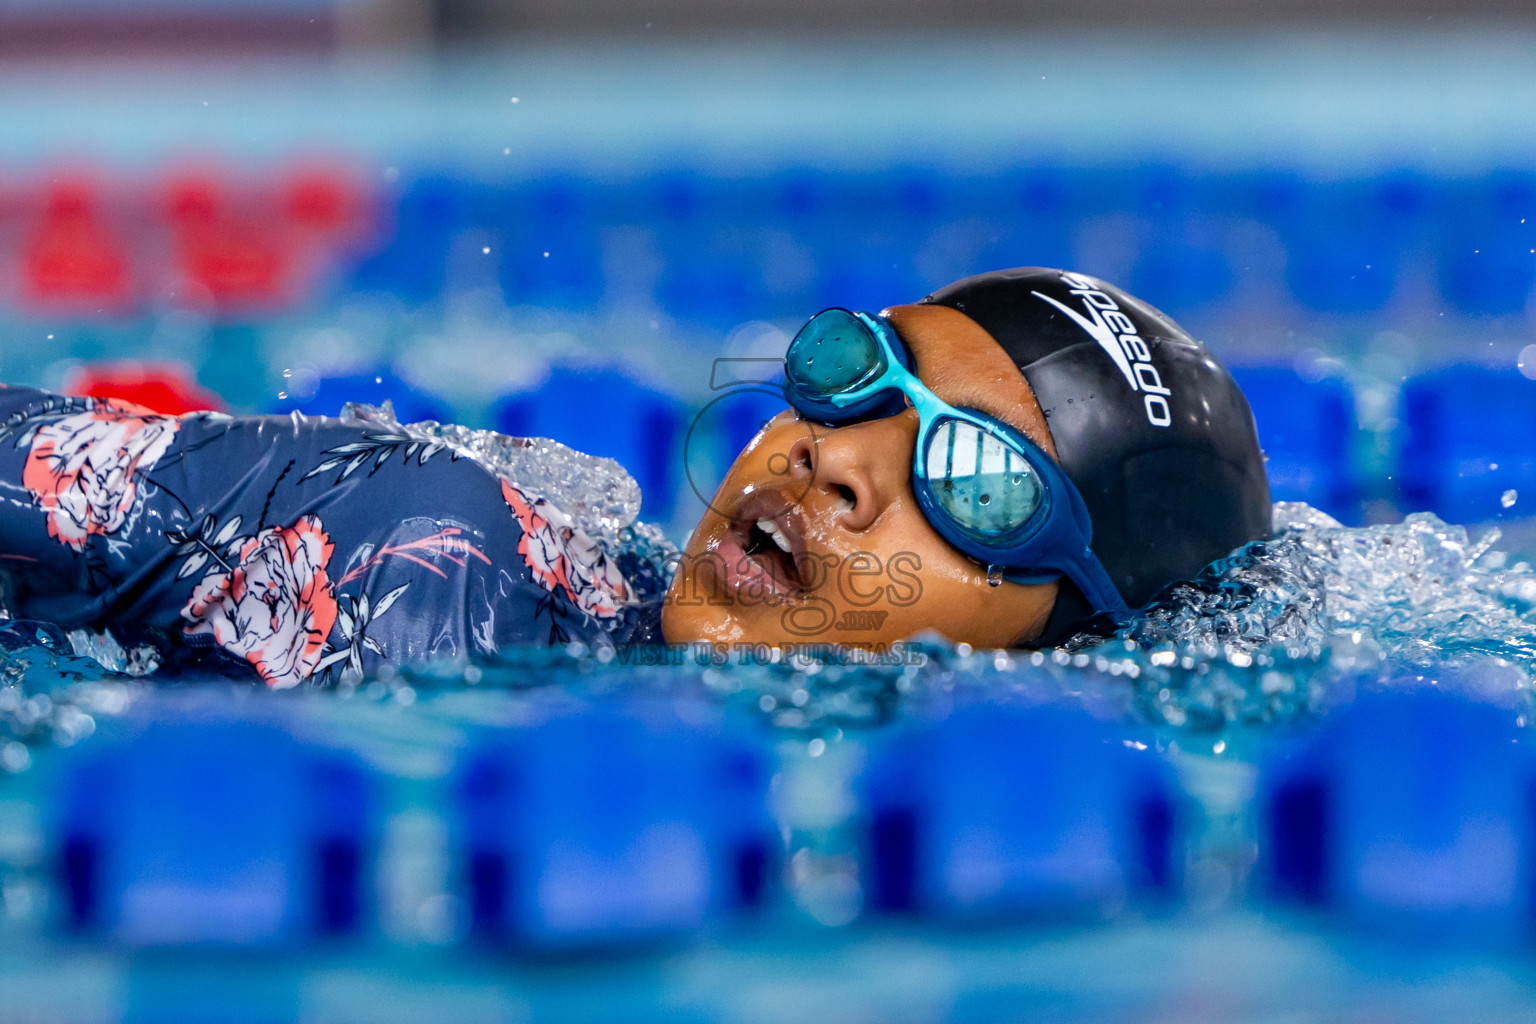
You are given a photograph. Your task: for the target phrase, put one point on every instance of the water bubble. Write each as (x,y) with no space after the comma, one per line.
(15,757)
(1509,498)
(1527,361)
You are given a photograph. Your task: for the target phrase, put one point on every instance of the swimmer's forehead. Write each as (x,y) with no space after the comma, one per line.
(962,364)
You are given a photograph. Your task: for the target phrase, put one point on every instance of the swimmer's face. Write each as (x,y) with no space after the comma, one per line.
(816,536)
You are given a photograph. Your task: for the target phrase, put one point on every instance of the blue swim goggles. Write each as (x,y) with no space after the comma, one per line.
(985,487)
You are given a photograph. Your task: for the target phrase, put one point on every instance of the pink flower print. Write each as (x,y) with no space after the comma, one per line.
(561,555)
(81,469)
(275,607)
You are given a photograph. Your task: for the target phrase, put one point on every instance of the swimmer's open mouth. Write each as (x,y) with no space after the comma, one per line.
(762,548)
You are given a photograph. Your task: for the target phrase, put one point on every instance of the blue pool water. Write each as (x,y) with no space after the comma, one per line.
(1258,639)
(1261,651)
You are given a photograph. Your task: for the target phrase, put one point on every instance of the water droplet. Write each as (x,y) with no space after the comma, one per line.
(15,758)
(985,499)
(1509,499)
(994,575)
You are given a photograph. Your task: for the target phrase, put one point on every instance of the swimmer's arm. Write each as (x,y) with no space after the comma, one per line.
(115,515)
(72,480)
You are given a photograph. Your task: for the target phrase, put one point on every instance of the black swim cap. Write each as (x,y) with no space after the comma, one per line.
(1147,423)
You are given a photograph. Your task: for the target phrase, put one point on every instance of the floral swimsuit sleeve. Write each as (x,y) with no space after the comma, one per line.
(299,550)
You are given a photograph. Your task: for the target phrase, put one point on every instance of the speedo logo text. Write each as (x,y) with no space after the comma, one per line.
(1116,334)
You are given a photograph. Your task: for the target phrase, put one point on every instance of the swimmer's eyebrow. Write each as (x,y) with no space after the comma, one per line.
(966,367)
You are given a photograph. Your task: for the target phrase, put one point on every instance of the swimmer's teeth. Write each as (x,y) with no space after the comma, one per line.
(771,528)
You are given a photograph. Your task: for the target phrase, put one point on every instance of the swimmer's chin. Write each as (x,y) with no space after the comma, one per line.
(727,633)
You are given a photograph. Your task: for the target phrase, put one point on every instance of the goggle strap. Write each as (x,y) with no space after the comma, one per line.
(1091,578)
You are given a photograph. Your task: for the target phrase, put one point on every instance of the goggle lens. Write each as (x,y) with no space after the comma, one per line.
(834,352)
(985,485)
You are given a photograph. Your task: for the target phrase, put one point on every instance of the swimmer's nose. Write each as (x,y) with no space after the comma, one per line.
(855,471)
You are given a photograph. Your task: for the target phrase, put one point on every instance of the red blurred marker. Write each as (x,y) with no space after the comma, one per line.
(240,258)
(70,257)
(321,201)
(167,388)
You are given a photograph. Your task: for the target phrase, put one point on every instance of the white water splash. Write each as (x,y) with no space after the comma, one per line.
(1419,590)
(597,493)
